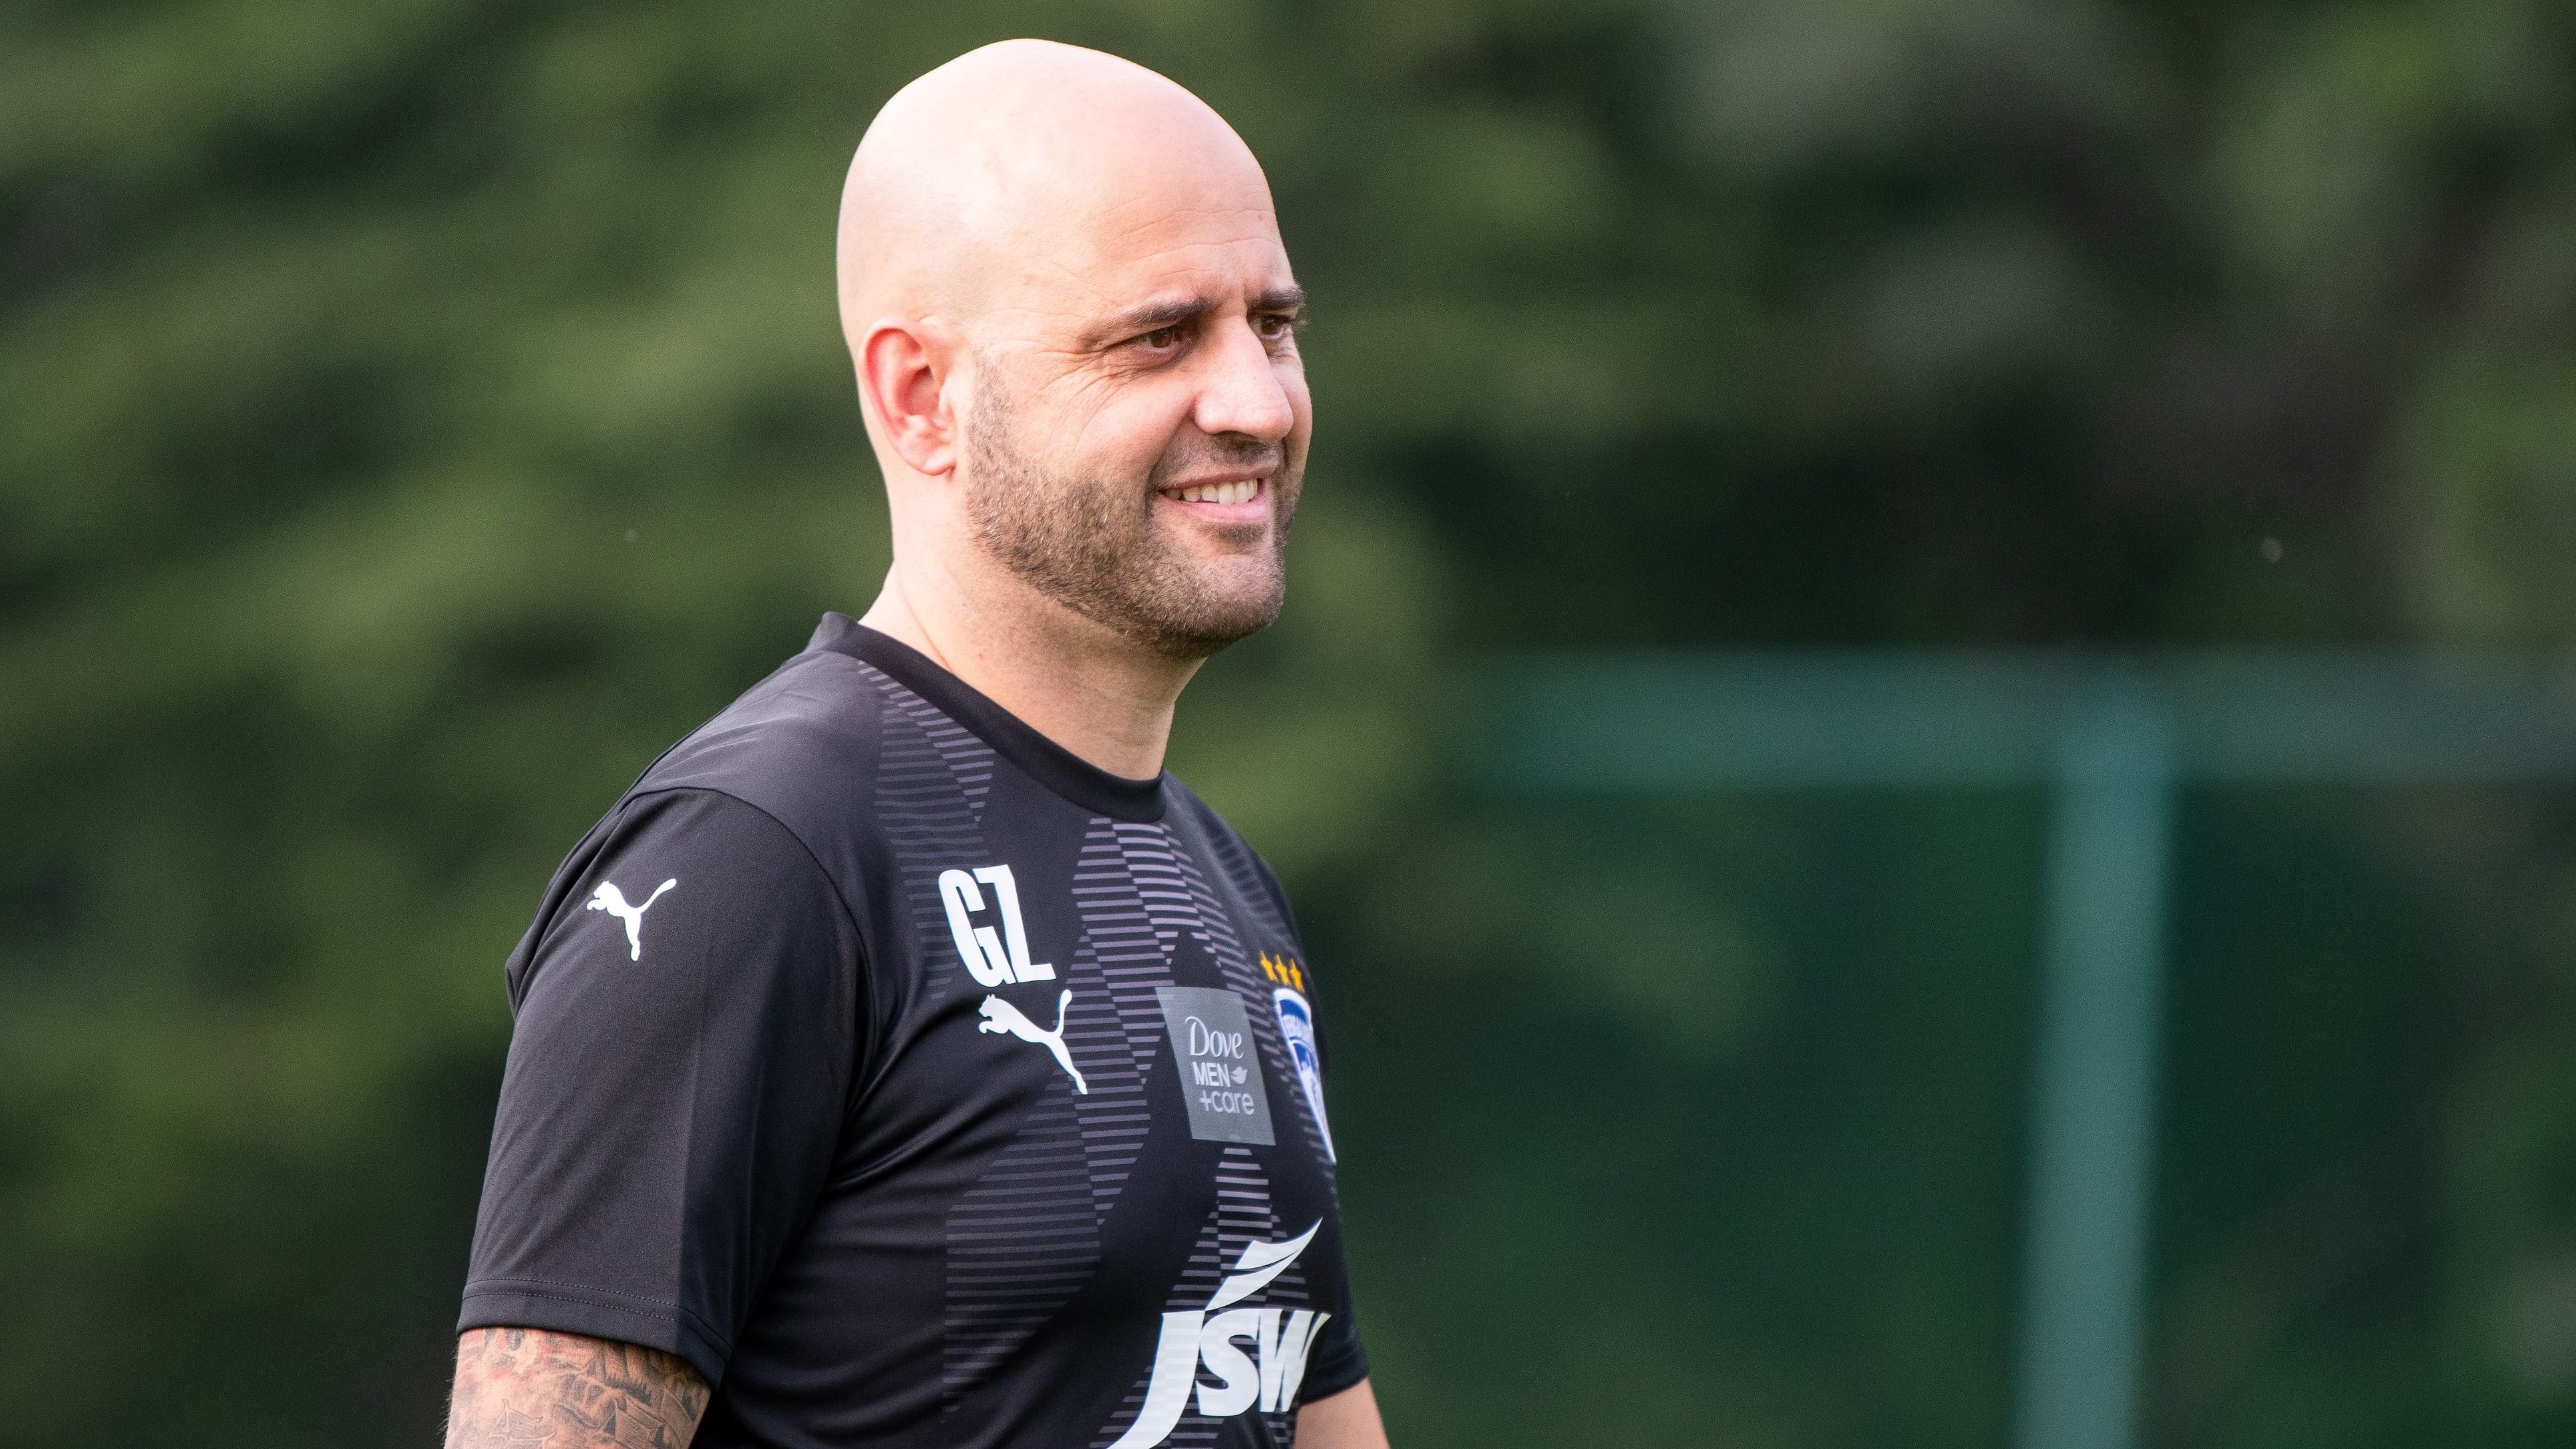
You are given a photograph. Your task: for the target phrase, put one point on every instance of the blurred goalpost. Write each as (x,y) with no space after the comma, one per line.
(2111,737)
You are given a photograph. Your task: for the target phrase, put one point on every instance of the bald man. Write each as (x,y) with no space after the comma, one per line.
(906,1058)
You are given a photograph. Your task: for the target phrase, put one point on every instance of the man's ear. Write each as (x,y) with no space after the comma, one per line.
(904,368)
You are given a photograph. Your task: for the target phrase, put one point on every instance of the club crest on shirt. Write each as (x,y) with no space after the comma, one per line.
(1297,1032)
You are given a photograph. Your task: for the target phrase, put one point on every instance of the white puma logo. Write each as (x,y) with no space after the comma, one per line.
(1001,1016)
(612,900)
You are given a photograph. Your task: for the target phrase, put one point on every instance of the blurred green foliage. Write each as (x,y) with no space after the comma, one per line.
(414,415)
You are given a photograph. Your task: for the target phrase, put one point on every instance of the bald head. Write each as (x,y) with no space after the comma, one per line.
(1026,164)
(1074,330)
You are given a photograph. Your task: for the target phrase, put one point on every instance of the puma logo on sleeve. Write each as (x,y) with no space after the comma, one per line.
(612,900)
(1001,1016)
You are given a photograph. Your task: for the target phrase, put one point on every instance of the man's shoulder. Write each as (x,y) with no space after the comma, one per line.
(1187,804)
(800,746)
(795,753)
(1243,866)
(813,718)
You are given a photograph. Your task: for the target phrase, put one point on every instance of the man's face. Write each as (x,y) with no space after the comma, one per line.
(1139,421)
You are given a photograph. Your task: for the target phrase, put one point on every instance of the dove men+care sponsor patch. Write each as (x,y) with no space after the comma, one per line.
(1220,1070)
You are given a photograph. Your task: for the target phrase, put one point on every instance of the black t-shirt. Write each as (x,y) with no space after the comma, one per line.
(921,1084)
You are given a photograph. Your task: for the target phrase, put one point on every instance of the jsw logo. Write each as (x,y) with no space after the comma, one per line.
(993,959)
(1269,1376)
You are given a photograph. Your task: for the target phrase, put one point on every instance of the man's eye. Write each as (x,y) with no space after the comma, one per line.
(1162,338)
(1273,326)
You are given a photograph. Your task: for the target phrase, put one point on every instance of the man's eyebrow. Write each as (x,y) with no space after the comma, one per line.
(1175,310)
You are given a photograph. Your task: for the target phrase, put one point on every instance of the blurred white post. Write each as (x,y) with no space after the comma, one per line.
(2093,1110)
(2112,737)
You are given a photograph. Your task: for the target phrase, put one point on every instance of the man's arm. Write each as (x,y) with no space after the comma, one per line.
(1347,1420)
(528,1387)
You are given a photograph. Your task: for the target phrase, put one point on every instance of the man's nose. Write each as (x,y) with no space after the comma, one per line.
(1241,391)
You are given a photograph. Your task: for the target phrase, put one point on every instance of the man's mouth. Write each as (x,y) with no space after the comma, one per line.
(1240,491)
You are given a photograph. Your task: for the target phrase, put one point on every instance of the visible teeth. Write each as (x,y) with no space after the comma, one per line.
(1242,492)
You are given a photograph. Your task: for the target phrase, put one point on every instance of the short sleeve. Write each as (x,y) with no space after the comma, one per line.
(686,1034)
(1336,1361)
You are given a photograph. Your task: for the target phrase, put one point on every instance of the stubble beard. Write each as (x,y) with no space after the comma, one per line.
(1091,544)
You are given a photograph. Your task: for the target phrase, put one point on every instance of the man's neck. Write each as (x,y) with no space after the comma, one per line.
(1073,681)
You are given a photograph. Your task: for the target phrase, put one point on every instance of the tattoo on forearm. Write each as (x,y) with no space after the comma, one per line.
(527,1387)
